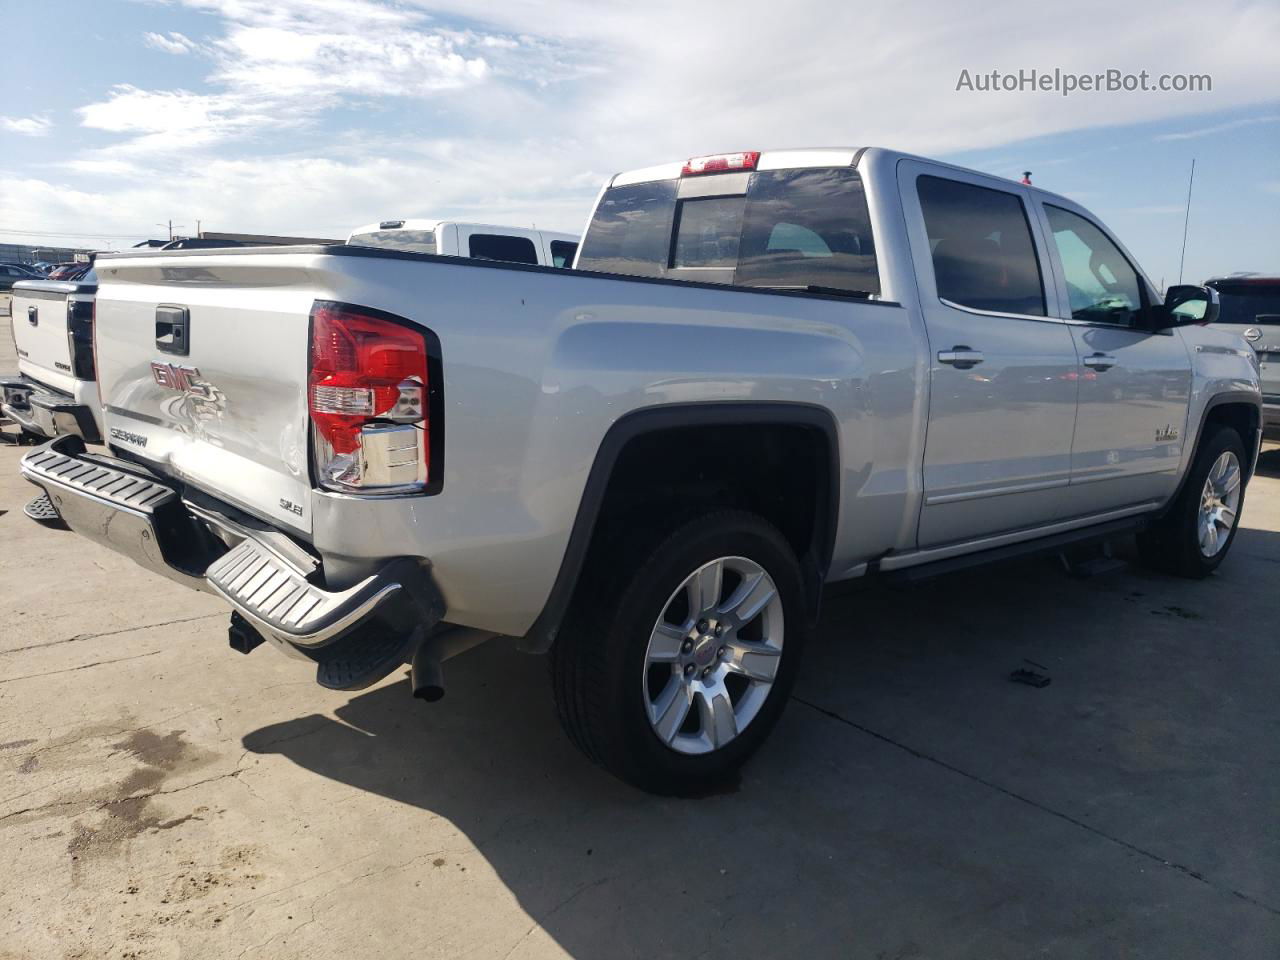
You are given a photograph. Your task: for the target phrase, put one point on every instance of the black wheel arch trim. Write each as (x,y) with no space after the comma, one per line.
(814,563)
(1241,397)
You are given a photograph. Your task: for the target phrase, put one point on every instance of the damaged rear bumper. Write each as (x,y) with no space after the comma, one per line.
(355,635)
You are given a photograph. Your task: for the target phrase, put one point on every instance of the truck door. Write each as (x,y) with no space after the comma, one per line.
(1134,383)
(1002,368)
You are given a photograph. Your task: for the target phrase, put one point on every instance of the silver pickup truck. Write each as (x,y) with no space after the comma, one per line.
(768,372)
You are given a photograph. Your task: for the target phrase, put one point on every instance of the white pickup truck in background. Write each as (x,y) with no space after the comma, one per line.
(56,390)
(766,372)
(479,241)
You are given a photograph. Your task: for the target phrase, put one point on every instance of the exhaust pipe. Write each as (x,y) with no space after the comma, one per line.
(426,671)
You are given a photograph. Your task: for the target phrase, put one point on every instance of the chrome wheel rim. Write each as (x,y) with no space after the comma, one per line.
(713,655)
(1219,504)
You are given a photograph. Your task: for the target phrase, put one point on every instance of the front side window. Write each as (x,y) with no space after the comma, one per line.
(497,246)
(983,254)
(1101,285)
(562,253)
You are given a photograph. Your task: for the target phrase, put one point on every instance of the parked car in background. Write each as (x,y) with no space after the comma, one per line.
(11,273)
(70,271)
(767,372)
(1250,306)
(42,267)
(55,391)
(479,241)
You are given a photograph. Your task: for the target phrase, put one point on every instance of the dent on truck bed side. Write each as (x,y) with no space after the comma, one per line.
(540,364)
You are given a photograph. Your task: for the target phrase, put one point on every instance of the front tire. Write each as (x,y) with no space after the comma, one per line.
(675,674)
(1193,538)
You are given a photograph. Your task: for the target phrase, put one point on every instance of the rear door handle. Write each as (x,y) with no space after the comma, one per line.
(1099,361)
(961,357)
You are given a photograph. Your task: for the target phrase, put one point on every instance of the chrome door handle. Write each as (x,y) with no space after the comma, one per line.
(961,357)
(1099,361)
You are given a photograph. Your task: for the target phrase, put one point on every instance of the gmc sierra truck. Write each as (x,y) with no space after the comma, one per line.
(768,372)
(55,391)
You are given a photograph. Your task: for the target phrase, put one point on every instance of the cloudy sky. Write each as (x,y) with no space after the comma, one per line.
(312,116)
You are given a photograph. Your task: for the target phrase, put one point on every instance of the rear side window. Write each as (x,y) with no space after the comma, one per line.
(983,254)
(1248,303)
(495,246)
(1101,284)
(630,231)
(417,241)
(562,253)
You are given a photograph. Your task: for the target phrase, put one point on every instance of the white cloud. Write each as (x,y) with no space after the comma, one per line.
(27,126)
(521,107)
(1217,128)
(173,43)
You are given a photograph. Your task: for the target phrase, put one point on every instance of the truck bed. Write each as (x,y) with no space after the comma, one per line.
(524,350)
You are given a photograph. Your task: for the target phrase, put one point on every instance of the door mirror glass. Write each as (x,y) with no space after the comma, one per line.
(1185,304)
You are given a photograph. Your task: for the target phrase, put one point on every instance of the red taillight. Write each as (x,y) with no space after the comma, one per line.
(721,163)
(367,393)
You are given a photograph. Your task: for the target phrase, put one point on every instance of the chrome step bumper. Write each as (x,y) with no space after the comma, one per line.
(279,601)
(146,519)
(40,410)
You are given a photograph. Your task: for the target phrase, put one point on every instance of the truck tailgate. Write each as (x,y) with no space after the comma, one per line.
(39,316)
(221,402)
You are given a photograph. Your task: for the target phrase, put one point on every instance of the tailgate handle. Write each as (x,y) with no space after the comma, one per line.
(33,316)
(173,329)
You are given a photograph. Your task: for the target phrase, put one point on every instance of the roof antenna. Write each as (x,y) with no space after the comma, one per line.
(1187,219)
(1026,177)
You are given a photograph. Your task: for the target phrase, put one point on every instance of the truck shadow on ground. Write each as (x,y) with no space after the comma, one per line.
(1269,463)
(913,802)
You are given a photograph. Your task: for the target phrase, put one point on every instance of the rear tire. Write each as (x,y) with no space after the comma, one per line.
(671,673)
(1193,538)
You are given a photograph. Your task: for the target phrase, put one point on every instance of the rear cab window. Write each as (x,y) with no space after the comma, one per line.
(497,246)
(802,229)
(415,241)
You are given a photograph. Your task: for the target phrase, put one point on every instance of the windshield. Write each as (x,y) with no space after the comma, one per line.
(418,241)
(1249,304)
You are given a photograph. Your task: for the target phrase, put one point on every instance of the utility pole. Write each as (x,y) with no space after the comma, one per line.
(197,226)
(170,226)
(1187,219)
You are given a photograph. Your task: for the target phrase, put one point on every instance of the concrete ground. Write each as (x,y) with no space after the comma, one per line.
(162,796)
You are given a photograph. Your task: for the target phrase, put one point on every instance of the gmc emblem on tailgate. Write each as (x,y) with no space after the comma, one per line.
(182,379)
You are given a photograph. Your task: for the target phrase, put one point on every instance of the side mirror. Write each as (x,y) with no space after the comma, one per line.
(1186,304)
